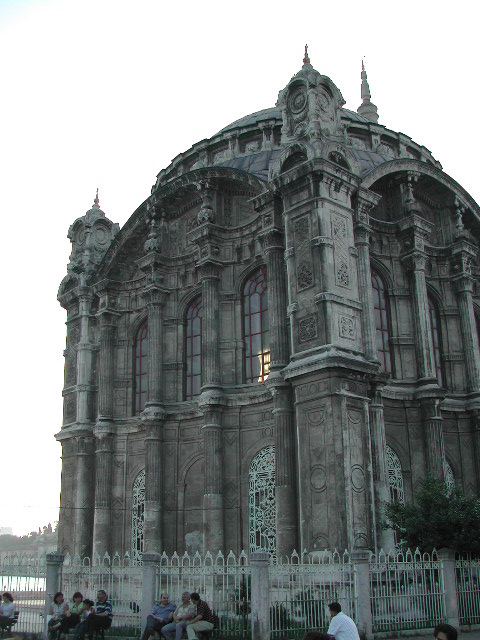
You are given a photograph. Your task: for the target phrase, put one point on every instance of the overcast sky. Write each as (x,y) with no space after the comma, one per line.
(104,93)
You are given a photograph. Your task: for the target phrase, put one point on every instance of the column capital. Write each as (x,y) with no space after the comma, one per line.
(272,239)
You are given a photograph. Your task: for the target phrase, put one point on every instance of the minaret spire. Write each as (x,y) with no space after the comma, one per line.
(306,58)
(367,109)
(96,202)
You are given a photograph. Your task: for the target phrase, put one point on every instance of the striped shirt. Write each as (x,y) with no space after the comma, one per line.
(101,607)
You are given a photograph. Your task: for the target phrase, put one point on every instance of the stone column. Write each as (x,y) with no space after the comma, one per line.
(85,350)
(208,238)
(83,496)
(385,537)
(153,419)
(365,200)
(103,491)
(360,561)
(213,513)
(53,582)
(285,495)
(462,254)
(210,275)
(415,230)
(277,299)
(150,561)
(447,559)
(105,375)
(260,595)
(433,437)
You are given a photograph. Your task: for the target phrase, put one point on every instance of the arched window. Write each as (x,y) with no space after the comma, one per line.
(141,367)
(138,517)
(381,324)
(193,349)
(449,477)
(436,341)
(395,477)
(256,328)
(261,502)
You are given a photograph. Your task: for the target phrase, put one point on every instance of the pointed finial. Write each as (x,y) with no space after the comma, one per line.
(367,109)
(306,59)
(96,202)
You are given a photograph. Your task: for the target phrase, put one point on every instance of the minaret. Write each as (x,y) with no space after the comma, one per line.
(367,109)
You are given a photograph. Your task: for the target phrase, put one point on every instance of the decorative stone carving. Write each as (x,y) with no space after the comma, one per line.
(307,329)
(347,327)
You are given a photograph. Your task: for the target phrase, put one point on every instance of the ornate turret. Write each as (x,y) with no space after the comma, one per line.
(367,109)
(310,105)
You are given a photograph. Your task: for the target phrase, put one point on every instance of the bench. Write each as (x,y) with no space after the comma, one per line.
(7,626)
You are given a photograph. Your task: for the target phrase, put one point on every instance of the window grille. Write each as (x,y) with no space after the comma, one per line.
(449,477)
(261,502)
(256,328)
(395,477)
(141,368)
(381,324)
(193,349)
(138,517)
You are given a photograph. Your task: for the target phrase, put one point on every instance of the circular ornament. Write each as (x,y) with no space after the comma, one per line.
(298,100)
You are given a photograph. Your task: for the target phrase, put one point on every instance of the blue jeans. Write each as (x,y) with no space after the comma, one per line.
(168,629)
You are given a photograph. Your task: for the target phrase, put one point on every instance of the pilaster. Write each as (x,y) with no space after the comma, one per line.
(103,490)
(364,201)
(85,358)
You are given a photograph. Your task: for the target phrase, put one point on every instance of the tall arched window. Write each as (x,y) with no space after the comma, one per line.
(395,476)
(141,367)
(256,328)
(381,324)
(193,349)
(138,517)
(261,502)
(436,341)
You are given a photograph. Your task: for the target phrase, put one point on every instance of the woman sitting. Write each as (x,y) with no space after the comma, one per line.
(7,610)
(73,615)
(58,610)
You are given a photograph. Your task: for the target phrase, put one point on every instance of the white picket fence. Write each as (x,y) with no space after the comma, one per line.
(406,590)
(467,576)
(117,575)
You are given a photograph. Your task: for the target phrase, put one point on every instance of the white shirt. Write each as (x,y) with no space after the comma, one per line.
(343,628)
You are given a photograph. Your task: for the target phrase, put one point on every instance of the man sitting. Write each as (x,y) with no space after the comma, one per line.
(162,613)
(100,618)
(184,612)
(203,621)
(341,626)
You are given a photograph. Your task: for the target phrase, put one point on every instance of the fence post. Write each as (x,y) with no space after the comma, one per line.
(53,582)
(447,560)
(260,595)
(150,561)
(361,567)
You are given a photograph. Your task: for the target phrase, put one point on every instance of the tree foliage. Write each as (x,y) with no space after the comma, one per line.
(439,518)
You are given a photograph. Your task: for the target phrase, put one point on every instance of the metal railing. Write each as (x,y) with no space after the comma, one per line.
(116,575)
(24,576)
(223,581)
(301,587)
(467,578)
(406,591)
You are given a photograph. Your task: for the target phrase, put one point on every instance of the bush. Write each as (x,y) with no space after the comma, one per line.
(439,518)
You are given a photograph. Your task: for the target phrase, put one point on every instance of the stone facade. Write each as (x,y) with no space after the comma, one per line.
(281,338)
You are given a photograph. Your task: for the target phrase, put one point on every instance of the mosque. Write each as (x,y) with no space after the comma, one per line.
(282,338)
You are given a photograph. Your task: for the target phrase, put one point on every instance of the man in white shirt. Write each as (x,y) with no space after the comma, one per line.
(341,626)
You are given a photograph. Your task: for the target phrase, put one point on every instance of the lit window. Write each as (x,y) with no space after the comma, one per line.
(193,349)
(381,324)
(256,328)
(436,341)
(141,368)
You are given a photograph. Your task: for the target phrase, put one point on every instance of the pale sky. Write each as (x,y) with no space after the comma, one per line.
(104,93)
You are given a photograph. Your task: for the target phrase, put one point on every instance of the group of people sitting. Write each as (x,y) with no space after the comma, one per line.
(83,615)
(192,615)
